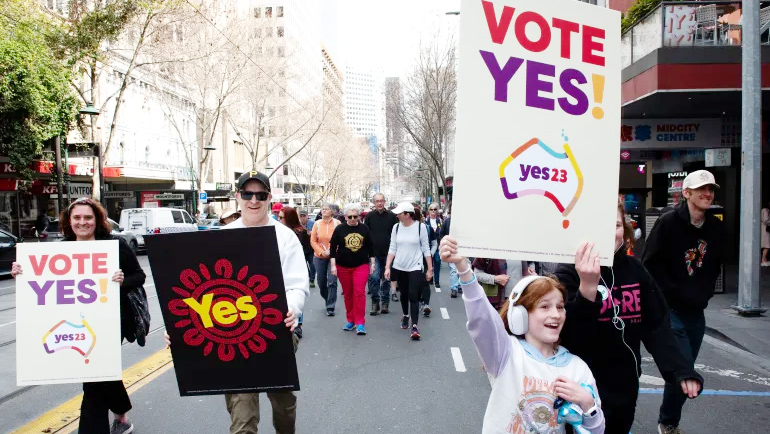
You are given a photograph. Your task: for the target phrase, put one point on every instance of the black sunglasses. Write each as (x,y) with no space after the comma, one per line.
(260,195)
(352,217)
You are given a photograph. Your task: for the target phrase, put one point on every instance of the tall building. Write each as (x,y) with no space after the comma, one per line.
(363,101)
(394,132)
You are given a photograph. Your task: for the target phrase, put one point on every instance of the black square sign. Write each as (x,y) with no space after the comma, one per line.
(223,301)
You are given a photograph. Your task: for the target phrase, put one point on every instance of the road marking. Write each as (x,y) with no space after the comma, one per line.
(63,419)
(438,289)
(710,392)
(458,359)
(649,379)
(3,325)
(444,313)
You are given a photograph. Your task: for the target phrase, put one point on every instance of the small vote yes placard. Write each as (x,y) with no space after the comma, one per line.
(67,313)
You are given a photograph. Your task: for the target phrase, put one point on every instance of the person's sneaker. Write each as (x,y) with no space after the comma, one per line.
(121,427)
(312,284)
(405,322)
(329,312)
(394,297)
(454,293)
(348,327)
(375,308)
(437,285)
(298,331)
(666,429)
(460,290)
(415,333)
(360,330)
(385,306)
(426,310)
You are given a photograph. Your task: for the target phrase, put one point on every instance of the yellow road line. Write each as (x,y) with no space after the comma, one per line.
(62,418)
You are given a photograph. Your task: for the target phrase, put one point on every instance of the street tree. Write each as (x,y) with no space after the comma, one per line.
(36,102)
(426,108)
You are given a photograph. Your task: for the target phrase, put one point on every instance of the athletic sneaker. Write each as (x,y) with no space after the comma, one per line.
(460,290)
(405,322)
(394,297)
(454,293)
(349,327)
(437,285)
(329,312)
(426,310)
(415,333)
(666,429)
(121,427)
(360,330)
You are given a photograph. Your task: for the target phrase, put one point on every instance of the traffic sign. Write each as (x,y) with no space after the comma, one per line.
(203,196)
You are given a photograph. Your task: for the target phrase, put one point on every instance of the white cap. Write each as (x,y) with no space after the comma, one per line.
(698,179)
(403,207)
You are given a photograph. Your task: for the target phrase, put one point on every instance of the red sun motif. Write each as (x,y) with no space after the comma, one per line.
(247,336)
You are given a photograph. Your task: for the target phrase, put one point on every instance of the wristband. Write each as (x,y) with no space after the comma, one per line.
(468,282)
(591,412)
(463,273)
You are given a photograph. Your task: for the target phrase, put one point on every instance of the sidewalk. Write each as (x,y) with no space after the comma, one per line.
(751,334)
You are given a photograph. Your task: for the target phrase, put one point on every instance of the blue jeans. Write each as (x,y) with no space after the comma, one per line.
(454,278)
(688,330)
(436,267)
(327,283)
(379,287)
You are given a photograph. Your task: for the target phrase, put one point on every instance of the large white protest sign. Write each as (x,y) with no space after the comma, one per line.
(537,147)
(67,313)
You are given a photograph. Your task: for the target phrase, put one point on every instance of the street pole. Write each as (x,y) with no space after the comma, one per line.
(751,165)
(60,192)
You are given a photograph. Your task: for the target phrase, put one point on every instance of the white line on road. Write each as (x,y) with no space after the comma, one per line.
(458,359)
(438,289)
(444,313)
(3,325)
(649,379)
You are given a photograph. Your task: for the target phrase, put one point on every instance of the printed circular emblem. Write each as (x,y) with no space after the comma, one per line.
(225,310)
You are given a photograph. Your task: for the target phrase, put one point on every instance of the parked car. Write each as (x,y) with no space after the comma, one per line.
(209,224)
(148,221)
(7,251)
(121,232)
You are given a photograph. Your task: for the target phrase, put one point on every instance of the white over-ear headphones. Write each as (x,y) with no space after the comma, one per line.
(518,317)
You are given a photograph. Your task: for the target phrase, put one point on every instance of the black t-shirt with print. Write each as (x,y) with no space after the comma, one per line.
(351,246)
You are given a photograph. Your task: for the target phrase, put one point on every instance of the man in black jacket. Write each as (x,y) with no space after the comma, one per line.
(684,254)
(380,223)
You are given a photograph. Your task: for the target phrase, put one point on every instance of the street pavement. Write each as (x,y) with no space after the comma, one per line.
(384,382)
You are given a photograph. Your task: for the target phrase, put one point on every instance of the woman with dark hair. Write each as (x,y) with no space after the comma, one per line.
(611,311)
(86,220)
(288,217)
(409,255)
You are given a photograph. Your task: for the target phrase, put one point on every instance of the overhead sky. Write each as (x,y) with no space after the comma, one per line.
(384,35)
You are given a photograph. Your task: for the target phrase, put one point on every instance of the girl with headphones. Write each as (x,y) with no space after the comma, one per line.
(537,385)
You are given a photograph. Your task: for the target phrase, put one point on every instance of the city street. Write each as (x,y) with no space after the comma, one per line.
(382,382)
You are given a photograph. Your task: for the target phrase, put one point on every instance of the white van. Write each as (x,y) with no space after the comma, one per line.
(148,221)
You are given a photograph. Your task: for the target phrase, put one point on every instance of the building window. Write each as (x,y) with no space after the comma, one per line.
(268,12)
(280,51)
(279,11)
(257,12)
(279,31)
(268,32)
(258,32)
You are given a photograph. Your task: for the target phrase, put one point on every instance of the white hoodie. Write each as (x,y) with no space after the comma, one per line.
(293,266)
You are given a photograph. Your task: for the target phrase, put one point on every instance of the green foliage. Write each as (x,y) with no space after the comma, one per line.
(639,10)
(36,101)
(81,37)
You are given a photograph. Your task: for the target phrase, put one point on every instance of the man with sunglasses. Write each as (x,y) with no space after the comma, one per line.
(253,198)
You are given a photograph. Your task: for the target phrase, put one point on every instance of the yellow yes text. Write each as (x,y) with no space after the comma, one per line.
(224,312)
